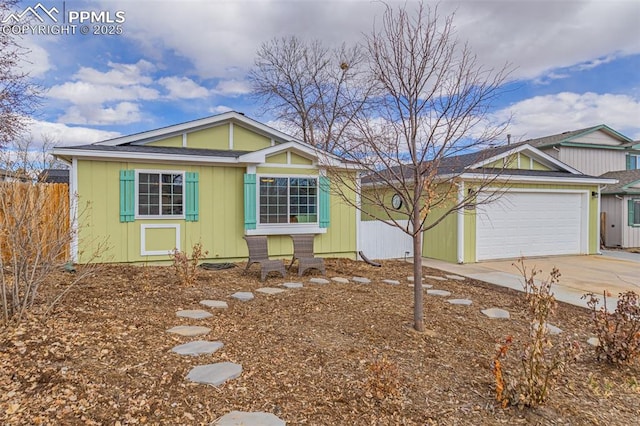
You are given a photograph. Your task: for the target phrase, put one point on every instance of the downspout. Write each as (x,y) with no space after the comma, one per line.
(460,224)
(358,211)
(73,209)
(598,250)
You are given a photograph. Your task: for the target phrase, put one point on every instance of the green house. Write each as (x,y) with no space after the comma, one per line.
(535,206)
(208,181)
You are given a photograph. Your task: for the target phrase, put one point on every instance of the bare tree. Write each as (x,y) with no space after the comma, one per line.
(18,93)
(313,90)
(431,106)
(25,157)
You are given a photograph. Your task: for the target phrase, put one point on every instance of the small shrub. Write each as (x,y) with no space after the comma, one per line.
(618,332)
(541,363)
(187,268)
(383,380)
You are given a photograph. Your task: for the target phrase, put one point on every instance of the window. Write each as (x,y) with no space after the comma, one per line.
(288,200)
(160,194)
(633,161)
(634,212)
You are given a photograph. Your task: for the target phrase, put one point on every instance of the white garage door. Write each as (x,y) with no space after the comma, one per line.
(531,224)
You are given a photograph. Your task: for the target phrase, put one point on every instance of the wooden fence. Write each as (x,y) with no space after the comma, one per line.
(34,220)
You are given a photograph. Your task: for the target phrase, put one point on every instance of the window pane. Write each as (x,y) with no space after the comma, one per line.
(636,212)
(273,200)
(160,194)
(303,199)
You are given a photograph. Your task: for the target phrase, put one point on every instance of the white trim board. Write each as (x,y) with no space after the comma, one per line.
(143,239)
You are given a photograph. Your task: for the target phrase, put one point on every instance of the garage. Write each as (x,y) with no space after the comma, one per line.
(532,224)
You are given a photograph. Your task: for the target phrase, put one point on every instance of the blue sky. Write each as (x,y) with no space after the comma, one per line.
(577,63)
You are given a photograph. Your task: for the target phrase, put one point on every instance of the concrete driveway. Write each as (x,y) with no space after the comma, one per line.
(615,272)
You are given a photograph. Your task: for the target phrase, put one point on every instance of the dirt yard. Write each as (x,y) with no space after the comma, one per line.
(105,357)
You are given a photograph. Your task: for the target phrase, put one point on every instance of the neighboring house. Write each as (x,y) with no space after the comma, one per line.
(621,209)
(54,176)
(545,208)
(593,151)
(602,151)
(211,181)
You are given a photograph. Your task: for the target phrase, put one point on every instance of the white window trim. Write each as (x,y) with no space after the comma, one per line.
(286,228)
(159,216)
(143,239)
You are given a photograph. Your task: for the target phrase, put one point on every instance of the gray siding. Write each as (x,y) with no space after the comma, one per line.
(593,162)
(631,235)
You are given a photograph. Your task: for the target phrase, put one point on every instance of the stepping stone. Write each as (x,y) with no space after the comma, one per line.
(551,329)
(465,302)
(243,418)
(455,277)
(217,304)
(198,347)
(340,280)
(319,281)
(432,277)
(244,296)
(361,280)
(423,285)
(593,341)
(496,313)
(189,330)
(270,290)
(391,282)
(215,374)
(442,293)
(194,314)
(292,285)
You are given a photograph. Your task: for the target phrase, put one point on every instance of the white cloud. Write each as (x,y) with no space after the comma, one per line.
(552,114)
(220,109)
(118,75)
(122,113)
(36,60)
(232,87)
(83,93)
(67,135)
(183,88)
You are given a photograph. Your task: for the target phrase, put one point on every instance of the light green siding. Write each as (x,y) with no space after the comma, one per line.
(297,159)
(212,138)
(246,140)
(280,158)
(440,242)
(174,142)
(538,166)
(517,161)
(220,226)
(276,170)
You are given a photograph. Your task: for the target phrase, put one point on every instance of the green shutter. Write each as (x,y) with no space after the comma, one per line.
(324,202)
(192,190)
(127,195)
(249,201)
(630,213)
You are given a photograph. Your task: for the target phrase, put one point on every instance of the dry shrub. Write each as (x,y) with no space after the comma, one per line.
(618,332)
(382,379)
(541,362)
(187,267)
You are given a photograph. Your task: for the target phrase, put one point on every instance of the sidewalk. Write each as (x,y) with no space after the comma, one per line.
(580,275)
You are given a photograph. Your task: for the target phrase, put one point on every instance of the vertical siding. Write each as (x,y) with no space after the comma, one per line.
(614,226)
(246,140)
(175,141)
(212,138)
(630,234)
(597,138)
(593,162)
(441,241)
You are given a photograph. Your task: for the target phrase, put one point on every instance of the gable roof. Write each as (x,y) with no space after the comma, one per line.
(626,178)
(479,164)
(567,138)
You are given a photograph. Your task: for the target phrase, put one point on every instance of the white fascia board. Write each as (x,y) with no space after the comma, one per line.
(142,156)
(535,152)
(164,132)
(542,179)
(323,158)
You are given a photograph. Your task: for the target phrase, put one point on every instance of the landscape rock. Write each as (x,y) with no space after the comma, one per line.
(391,282)
(215,374)
(496,313)
(189,330)
(243,418)
(442,293)
(432,277)
(455,277)
(292,285)
(465,302)
(319,281)
(216,304)
(244,296)
(198,347)
(194,314)
(361,280)
(269,290)
(340,280)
